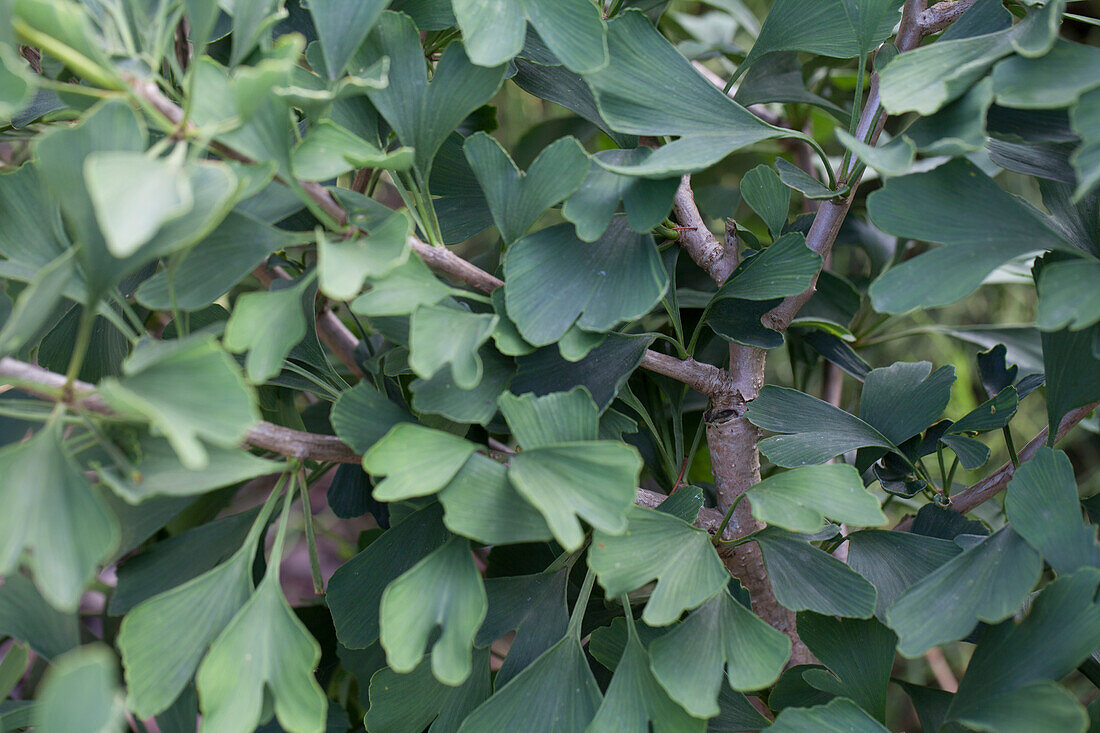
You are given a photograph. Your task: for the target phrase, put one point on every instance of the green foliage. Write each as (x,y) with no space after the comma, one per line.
(425,259)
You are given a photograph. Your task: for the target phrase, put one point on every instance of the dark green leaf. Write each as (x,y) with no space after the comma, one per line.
(987,583)
(859,653)
(893,561)
(409,703)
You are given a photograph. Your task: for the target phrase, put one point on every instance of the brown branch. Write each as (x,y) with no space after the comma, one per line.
(713,256)
(704,378)
(981,492)
(941,15)
(264,435)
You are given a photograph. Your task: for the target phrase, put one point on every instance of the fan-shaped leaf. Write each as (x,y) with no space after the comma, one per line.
(658,547)
(800,499)
(805,578)
(415,460)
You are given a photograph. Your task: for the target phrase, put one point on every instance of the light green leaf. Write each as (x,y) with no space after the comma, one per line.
(439,336)
(1069,295)
(768,196)
(894,561)
(987,583)
(415,460)
(267,325)
(190,390)
(818,431)
(163,639)
(356,588)
(840,29)
(517,199)
(401,291)
(981,239)
(330,151)
(423,114)
(663,548)
(409,703)
(895,158)
(801,181)
(134,196)
(573,30)
(558,417)
(553,280)
(556,693)
(785,268)
(1042,505)
(264,654)
(805,578)
(958,128)
(678,101)
(799,500)
(925,79)
(341,27)
(859,655)
(838,716)
(634,698)
(592,480)
(481,504)
(445,590)
(48,509)
(1055,79)
(162,473)
(343,264)
(721,634)
(80,693)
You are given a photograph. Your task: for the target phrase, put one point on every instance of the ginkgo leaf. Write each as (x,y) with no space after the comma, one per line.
(799,500)
(341,26)
(424,113)
(592,207)
(987,583)
(768,196)
(440,336)
(689,660)
(663,548)
(264,657)
(80,692)
(443,590)
(558,417)
(343,264)
(481,503)
(634,699)
(553,280)
(592,480)
(163,638)
(817,430)
(401,290)
(331,150)
(517,199)
(785,268)
(1043,507)
(415,460)
(573,30)
(679,101)
(805,578)
(267,325)
(208,399)
(409,703)
(48,509)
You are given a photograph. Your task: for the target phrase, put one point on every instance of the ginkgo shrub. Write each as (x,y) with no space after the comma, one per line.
(548,365)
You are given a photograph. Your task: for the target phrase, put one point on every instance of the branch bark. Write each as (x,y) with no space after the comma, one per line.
(941,15)
(264,435)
